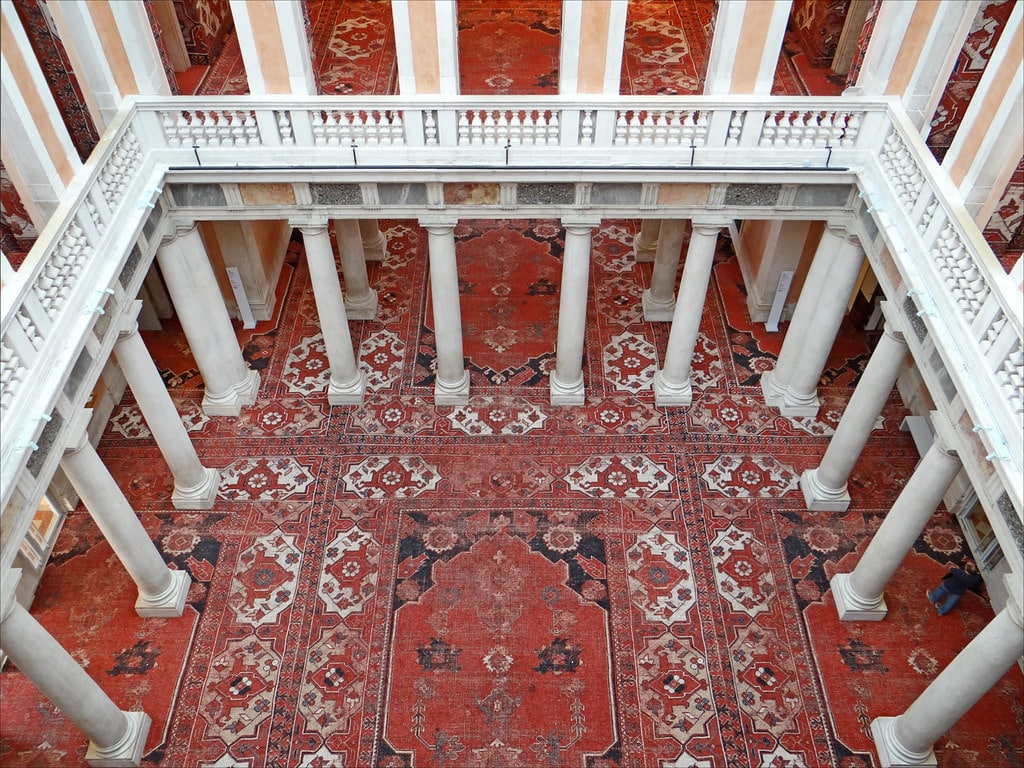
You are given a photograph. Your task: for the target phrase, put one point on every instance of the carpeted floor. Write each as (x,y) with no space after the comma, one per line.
(507,583)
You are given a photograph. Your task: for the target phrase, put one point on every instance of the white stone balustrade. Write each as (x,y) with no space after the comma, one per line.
(966,302)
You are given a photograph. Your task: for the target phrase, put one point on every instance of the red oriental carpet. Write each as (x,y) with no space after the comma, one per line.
(507,583)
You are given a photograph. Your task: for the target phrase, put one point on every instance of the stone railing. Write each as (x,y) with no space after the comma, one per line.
(50,305)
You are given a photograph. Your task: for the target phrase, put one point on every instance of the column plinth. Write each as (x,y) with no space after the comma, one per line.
(854,607)
(230,402)
(202,495)
(452,392)
(667,393)
(374,243)
(566,393)
(819,497)
(657,310)
(645,245)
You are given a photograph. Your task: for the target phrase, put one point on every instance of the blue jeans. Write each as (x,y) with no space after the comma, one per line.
(950,599)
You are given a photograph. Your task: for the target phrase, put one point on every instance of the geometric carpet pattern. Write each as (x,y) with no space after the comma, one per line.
(507,583)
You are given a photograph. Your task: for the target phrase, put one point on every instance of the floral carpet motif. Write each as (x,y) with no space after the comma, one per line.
(507,582)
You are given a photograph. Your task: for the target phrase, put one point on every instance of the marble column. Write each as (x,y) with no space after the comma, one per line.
(659,300)
(907,740)
(824,487)
(792,385)
(566,380)
(645,244)
(162,592)
(193,287)
(451,379)
(672,383)
(195,486)
(859,594)
(347,384)
(375,245)
(360,298)
(116,737)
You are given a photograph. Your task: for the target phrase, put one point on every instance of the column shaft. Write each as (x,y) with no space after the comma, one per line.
(672,383)
(162,592)
(792,385)
(659,300)
(193,287)
(907,740)
(566,381)
(117,737)
(859,594)
(347,383)
(360,299)
(195,486)
(451,382)
(824,488)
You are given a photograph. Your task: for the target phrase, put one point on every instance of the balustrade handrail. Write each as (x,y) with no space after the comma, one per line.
(949,260)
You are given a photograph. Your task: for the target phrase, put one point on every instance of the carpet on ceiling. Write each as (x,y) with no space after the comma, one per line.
(507,582)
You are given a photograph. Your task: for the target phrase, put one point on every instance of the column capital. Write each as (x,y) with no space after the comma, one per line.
(78,432)
(894,326)
(310,226)
(841,228)
(438,225)
(580,225)
(707,226)
(179,231)
(130,321)
(8,588)
(1015,598)
(945,433)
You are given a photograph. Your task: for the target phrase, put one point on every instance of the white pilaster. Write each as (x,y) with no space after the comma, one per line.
(116,737)
(824,487)
(913,51)
(659,300)
(113,51)
(375,245)
(193,288)
(451,381)
(596,28)
(566,380)
(792,385)
(195,486)
(35,146)
(348,384)
(162,592)
(859,594)
(746,46)
(428,58)
(672,383)
(360,298)
(645,244)
(906,741)
(278,60)
(990,138)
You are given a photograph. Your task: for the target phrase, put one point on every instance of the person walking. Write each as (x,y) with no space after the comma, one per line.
(952,587)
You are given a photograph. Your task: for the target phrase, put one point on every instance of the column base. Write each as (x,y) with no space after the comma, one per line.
(892,754)
(644,252)
(375,250)
(199,496)
(789,405)
(128,751)
(666,393)
(364,309)
(454,393)
(168,605)
(230,403)
(350,393)
(657,311)
(851,606)
(818,498)
(566,394)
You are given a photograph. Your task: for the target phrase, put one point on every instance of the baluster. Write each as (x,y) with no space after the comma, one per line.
(800,137)
(782,129)
(476,129)
(647,129)
(284,126)
(553,132)
(224,133)
(621,129)
(701,133)
(319,131)
(529,128)
(397,129)
(735,128)
(371,128)
(251,129)
(823,137)
(768,130)
(170,126)
(515,129)
(489,129)
(587,129)
(851,130)
(463,128)
(430,129)
(634,130)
